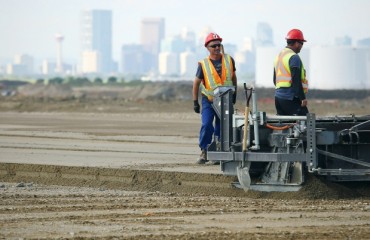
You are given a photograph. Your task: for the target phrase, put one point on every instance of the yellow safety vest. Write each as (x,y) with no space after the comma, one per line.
(282,70)
(211,77)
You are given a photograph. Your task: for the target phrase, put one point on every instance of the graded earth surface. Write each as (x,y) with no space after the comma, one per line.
(110,169)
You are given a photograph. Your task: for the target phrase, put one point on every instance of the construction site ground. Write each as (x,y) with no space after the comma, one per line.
(126,170)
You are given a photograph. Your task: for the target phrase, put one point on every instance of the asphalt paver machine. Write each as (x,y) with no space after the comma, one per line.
(275,153)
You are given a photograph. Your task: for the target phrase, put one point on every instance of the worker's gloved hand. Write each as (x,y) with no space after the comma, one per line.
(196,106)
(234,98)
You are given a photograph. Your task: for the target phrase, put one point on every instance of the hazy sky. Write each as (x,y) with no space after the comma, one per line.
(29,26)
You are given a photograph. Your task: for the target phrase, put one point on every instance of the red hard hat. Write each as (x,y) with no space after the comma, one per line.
(212,37)
(295,34)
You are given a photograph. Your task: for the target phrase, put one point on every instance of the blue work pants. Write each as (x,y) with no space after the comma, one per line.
(207,130)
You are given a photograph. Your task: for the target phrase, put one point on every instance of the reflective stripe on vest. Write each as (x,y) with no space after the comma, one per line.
(211,77)
(282,70)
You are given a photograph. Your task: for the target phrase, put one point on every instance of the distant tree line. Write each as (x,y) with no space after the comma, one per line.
(85,81)
(80,81)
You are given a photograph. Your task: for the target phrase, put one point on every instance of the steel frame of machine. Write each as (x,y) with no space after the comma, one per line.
(283,149)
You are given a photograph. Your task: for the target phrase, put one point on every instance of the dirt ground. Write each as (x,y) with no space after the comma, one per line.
(32,211)
(161,194)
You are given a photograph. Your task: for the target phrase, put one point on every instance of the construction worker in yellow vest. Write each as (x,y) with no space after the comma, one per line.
(290,80)
(218,69)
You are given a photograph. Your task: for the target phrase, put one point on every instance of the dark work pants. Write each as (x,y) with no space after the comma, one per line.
(290,107)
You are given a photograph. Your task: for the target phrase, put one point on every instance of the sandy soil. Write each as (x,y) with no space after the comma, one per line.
(54,158)
(35,211)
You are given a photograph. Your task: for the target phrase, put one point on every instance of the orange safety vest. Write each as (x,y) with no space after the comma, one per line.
(282,70)
(211,77)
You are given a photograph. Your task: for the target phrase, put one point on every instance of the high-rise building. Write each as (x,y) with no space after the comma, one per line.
(173,44)
(245,59)
(152,32)
(22,66)
(47,67)
(96,35)
(134,60)
(248,44)
(189,38)
(264,35)
(90,62)
(26,60)
(168,63)
(16,69)
(188,64)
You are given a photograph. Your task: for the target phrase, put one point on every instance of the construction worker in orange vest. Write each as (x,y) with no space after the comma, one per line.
(289,79)
(218,69)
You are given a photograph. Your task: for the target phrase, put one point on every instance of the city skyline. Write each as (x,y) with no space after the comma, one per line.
(29,27)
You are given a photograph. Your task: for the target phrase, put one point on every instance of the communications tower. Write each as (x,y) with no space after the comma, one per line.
(59,63)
